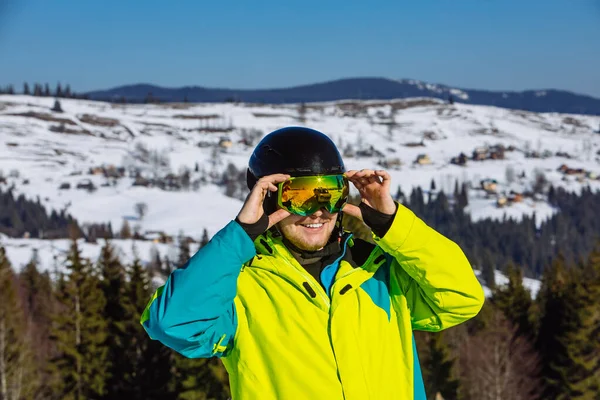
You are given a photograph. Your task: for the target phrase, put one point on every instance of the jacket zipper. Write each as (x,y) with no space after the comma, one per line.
(318,290)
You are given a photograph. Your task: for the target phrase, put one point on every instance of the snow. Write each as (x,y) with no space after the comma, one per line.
(460,94)
(48,158)
(531,285)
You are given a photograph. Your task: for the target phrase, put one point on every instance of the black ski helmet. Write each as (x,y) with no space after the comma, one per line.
(295,151)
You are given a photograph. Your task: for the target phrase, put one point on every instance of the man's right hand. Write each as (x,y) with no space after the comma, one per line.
(252,209)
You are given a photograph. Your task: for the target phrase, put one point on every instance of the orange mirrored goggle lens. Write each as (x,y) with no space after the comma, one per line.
(304,195)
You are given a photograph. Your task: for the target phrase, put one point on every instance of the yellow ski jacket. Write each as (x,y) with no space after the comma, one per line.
(282,335)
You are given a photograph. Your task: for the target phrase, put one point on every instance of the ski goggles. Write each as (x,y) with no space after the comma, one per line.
(305,195)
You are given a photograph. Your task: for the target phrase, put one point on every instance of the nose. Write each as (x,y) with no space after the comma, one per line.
(319,213)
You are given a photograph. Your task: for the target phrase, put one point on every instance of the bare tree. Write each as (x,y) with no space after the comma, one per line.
(510,174)
(141,209)
(159,162)
(15,353)
(499,365)
(302,113)
(540,182)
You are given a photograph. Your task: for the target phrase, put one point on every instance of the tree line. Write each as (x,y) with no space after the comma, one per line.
(44,90)
(20,216)
(519,348)
(492,244)
(76,335)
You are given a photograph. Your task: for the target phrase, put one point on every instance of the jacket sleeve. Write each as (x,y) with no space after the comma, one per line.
(194,313)
(431,272)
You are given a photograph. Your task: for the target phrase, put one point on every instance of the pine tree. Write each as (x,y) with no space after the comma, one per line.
(37,89)
(437,369)
(563,339)
(148,373)
(113,287)
(46,90)
(79,331)
(463,198)
(125,232)
(515,302)
(200,378)
(204,241)
(39,300)
(155,263)
(26,89)
(587,381)
(16,379)
(184,251)
(488,269)
(59,92)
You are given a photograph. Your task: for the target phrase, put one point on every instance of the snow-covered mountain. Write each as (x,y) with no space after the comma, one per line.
(360,88)
(43,150)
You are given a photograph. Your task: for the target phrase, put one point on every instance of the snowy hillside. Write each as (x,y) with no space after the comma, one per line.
(43,150)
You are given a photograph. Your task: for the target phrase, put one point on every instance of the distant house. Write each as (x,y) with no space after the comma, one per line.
(533,154)
(423,159)
(158,237)
(480,153)
(496,152)
(86,184)
(502,201)
(369,152)
(460,160)
(514,197)
(489,185)
(141,181)
(96,171)
(391,163)
(112,171)
(225,143)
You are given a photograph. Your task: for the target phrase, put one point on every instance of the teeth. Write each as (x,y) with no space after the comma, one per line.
(313,225)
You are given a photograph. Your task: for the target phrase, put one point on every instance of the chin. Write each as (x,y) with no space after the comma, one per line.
(310,246)
(311,243)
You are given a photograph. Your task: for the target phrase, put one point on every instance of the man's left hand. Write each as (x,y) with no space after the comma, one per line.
(374,189)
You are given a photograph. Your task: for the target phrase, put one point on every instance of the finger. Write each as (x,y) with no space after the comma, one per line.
(373,179)
(351,209)
(356,183)
(277,216)
(351,173)
(365,173)
(385,177)
(275,178)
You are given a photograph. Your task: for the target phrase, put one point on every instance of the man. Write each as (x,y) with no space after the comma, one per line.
(294,306)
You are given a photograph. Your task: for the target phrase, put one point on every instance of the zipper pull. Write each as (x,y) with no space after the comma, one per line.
(345,288)
(309,289)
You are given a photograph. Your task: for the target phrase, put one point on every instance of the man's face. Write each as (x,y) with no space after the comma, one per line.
(308,233)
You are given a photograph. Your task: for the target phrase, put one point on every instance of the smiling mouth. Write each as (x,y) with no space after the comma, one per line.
(313,226)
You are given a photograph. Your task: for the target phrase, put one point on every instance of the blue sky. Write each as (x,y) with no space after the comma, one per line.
(483,44)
